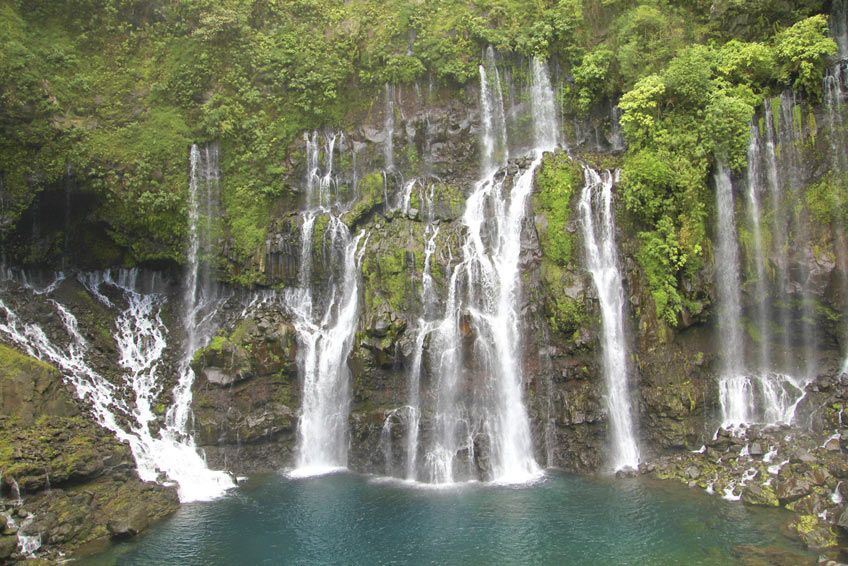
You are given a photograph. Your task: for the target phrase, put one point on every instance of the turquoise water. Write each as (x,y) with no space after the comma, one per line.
(352,519)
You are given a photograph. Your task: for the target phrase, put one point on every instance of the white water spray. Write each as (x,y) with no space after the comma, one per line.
(602,262)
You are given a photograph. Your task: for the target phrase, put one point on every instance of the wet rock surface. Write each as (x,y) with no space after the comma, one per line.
(803,471)
(246,394)
(65,480)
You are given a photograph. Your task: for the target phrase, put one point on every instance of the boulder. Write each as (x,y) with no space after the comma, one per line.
(814,533)
(832,445)
(755,494)
(217,376)
(30,388)
(692,472)
(8,545)
(791,489)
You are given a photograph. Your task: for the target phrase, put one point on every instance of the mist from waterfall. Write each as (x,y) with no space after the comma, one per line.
(758,387)
(598,228)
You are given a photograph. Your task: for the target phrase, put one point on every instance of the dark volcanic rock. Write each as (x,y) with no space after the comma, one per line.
(246,395)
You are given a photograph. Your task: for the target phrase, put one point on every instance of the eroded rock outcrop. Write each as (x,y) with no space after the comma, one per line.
(246,394)
(66,481)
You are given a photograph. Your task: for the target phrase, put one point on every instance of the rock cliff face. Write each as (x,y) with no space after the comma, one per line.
(675,369)
(78,482)
(246,396)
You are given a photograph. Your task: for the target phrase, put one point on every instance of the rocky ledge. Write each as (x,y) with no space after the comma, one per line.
(803,469)
(64,480)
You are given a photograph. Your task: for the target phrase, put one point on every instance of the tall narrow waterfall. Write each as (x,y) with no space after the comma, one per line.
(734,383)
(754,213)
(750,392)
(791,173)
(598,227)
(839,26)
(489,274)
(425,327)
(200,301)
(834,89)
(495,148)
(780,245)
(200,295)
(389,128)
(325,322)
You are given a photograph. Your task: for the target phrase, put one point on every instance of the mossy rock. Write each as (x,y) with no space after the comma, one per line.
(814,533)
(30,387)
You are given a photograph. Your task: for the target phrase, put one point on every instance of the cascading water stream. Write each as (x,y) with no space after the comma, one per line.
(747,395)
(839,27)
(754,213)
(201,301)
(791,175)
(389,128)
(489,274)
(834,89)
(779,236)
(735,385)
(425,326)
(323,427)
(598,227)
(141,339)
(325,325)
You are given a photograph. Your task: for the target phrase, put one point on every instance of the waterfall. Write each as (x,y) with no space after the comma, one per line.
(735,386)
(201,301)
(598,227)
(779,232)
(754,189)
(834,102)
(746,395)
(839,26)
(425,326)
(322,188)
(791,175)
(495,148)
(616,138)
(389,128)
(325,323)
(727,278)
(141,340)
(199,291)
(545,124)
(406,197)
(489,274)
(125,408)
(452,429)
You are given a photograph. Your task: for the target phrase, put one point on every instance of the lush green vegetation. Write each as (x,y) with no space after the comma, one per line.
(118,90)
